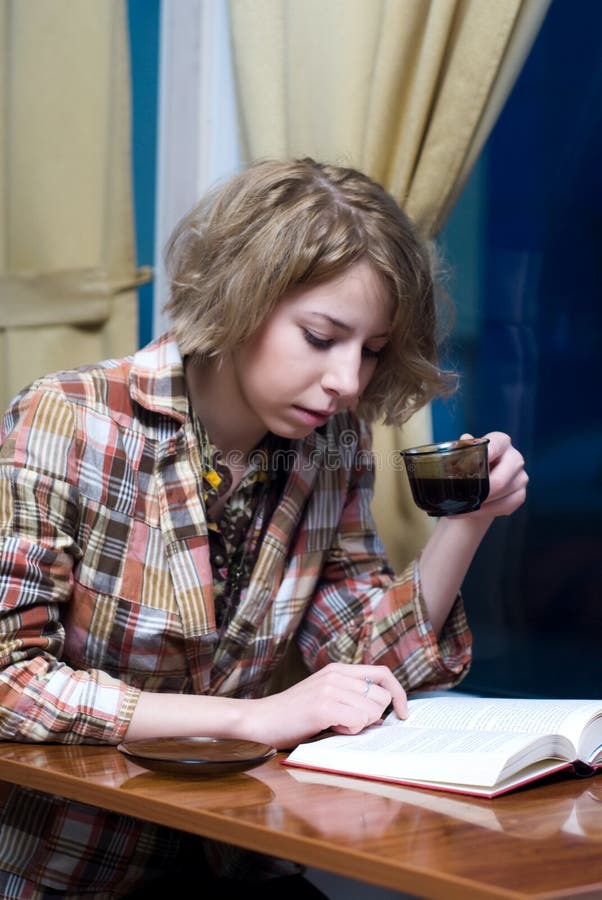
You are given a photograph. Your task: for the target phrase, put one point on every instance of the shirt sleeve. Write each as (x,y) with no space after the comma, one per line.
(41,697)
(363,613)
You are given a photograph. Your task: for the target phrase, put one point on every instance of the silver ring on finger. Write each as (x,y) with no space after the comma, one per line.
(369,683)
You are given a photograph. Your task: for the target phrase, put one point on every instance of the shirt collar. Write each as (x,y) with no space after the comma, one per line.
(157,378)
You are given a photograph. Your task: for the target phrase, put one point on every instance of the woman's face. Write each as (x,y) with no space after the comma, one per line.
(315,354)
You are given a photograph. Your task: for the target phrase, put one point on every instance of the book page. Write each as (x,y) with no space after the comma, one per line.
(456,713)
(417,740)
(405,753)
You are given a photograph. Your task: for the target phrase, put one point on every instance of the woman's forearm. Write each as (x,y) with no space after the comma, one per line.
(445,561)
(185,715)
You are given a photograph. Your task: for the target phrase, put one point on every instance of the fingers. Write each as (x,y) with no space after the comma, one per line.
(373,696)
(388,688)
(340,697)
(504,458)
(499,445)
(370,688)
(507,476)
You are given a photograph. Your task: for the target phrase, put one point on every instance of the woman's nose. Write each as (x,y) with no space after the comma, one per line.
(342,376)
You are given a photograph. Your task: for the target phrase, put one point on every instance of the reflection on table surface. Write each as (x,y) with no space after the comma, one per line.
(580,814)
(531,842)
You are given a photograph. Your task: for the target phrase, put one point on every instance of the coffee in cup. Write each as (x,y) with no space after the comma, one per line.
(449,478)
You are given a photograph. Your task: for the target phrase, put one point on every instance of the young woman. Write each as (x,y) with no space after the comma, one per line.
(171,523)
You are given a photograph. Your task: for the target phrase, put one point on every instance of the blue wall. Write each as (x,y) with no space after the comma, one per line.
(144,20)
(525,242)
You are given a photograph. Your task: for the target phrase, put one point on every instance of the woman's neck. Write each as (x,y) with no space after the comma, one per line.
(216,398)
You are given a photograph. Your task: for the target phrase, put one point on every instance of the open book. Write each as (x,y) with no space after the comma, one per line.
(472,745)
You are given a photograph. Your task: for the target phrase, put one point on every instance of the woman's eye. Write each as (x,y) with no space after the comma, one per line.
(369,353)
(315,341)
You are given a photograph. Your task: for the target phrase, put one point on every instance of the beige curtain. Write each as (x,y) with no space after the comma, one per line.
(406,90)
(67,261)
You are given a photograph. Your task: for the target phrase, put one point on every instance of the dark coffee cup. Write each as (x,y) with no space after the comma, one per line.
(449,478)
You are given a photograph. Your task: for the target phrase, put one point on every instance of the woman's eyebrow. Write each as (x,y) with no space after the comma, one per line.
(337,323)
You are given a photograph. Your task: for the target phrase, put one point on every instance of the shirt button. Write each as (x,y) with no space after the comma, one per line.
(219,559)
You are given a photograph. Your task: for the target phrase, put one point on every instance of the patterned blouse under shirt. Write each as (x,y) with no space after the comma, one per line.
(234,542)
(235,538)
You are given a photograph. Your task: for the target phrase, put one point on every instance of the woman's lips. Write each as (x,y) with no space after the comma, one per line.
(313,416)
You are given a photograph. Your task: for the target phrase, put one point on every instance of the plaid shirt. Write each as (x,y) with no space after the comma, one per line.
(106,585)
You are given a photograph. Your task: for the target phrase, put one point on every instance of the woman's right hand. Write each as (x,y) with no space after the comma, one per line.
(340,697)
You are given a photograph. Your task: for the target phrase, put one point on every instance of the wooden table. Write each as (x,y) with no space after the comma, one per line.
(541,842)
